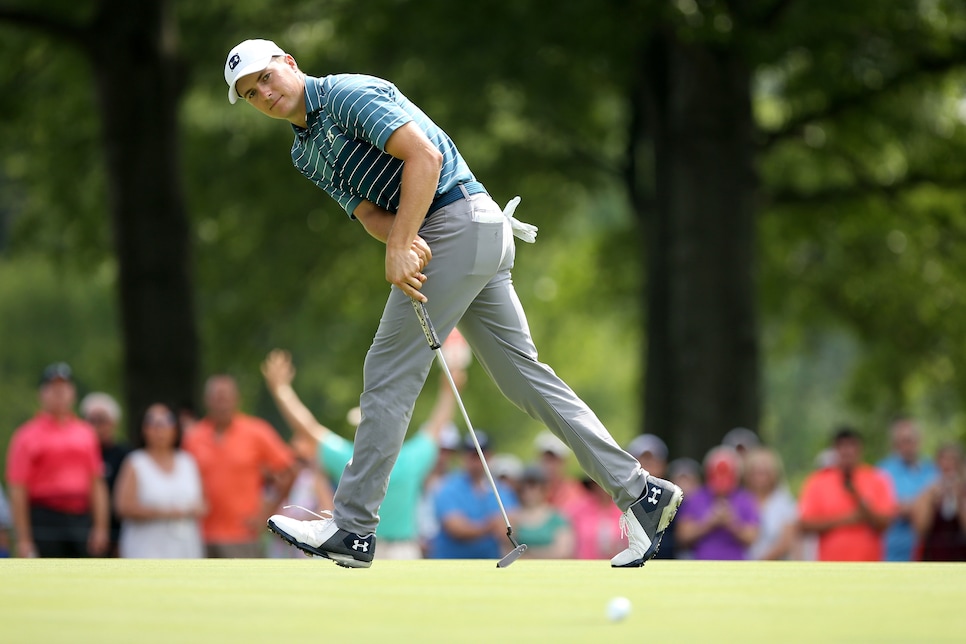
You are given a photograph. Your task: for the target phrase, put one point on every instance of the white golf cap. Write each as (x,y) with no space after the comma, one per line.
(246,58)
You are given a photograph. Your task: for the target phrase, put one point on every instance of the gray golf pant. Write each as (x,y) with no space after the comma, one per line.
(468,282)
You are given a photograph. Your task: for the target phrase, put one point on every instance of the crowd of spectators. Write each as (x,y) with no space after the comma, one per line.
(204,487)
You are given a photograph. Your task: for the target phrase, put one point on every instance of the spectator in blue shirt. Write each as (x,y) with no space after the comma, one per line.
(910,473)
(471,525)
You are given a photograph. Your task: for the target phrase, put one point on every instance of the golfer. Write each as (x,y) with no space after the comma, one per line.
(449,245)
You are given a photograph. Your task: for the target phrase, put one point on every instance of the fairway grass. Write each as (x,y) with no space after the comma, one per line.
(111,600)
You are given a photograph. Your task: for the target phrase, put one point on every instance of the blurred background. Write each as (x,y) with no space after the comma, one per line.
(751,211)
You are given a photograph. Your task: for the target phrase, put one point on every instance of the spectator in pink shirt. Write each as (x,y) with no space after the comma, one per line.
(58,497)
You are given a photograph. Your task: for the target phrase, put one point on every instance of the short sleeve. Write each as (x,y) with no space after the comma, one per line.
(335,453)
(366,108)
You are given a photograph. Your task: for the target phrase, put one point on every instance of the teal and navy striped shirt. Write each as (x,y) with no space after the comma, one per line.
(350,117)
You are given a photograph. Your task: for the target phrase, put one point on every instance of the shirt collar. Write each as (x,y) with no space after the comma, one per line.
(314,102)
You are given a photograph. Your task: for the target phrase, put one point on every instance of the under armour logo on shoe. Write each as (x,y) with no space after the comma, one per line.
(360,545)
(655,492)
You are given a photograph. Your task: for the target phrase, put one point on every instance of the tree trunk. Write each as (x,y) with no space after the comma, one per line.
(702,354)
(139,86)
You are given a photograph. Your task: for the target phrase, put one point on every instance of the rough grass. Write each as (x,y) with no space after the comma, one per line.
(473,601)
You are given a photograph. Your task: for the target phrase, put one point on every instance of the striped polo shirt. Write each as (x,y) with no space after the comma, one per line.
(350,117)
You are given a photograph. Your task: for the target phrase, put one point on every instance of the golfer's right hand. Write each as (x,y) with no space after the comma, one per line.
(404,270)
(421,248)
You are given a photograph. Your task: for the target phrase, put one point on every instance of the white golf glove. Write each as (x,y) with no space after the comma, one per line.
(521,230)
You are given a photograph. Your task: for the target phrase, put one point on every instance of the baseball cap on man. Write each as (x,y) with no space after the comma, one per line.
(246,58)
(648,443)
(56,371)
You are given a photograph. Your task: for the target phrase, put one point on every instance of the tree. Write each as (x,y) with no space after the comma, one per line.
(132,51)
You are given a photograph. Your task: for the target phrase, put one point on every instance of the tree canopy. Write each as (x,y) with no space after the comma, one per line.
(857,115)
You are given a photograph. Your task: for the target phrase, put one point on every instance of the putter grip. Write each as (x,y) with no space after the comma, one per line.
(427,324)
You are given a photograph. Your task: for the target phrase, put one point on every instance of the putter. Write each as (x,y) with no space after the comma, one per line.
(430,332)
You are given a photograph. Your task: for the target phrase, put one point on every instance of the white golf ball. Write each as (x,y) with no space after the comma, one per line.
(618,608)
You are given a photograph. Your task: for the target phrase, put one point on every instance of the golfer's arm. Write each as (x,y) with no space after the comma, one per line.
(377,221)
(422,163)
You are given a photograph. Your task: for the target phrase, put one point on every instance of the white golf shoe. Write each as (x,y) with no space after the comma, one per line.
(646,520)
(323,538)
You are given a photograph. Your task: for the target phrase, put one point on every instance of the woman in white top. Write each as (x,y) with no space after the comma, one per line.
(158,494)
(778,533)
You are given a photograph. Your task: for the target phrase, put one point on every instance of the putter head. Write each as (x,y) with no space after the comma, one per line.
(512,556)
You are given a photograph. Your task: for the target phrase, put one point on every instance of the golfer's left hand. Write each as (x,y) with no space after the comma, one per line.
(404,269)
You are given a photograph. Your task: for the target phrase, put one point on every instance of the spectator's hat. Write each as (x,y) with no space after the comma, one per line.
(648,443)
(506,466)
(533,473)
(449,437)
(482,437)
(547,443)
(684,467)
(56,371)
(741,438)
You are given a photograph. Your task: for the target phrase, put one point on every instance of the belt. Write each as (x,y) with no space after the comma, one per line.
(457,192)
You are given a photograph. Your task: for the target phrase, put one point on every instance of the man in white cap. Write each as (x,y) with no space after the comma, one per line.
(448,245)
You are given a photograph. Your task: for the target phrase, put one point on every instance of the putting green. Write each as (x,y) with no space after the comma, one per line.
(473,601)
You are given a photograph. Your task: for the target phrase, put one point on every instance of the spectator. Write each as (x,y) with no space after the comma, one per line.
(939,514)
(848,505)
(720,520)
(651,453)
(546,531)
(777,534)
(5,525)
(596,525)
(507,469)
(158,494)
(808,541)
(58,497)
(449,451)
(564,491)
(471,525)
(742,440)
(103,413)
(910,474)
(235,453)
(398,533)
(686,474)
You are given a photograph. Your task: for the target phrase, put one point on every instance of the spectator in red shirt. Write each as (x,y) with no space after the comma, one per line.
(58,497)
(237,455)
(849,505)
(564,491)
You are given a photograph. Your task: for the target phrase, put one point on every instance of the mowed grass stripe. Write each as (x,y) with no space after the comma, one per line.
(473,601)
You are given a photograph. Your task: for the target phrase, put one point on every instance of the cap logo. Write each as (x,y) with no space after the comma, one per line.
(233,62)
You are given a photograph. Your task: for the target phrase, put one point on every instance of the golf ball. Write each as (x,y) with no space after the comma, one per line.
(618,608)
